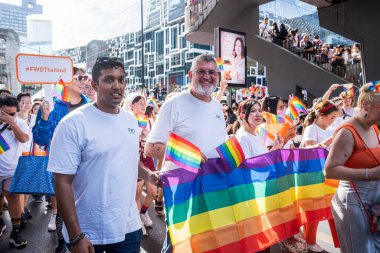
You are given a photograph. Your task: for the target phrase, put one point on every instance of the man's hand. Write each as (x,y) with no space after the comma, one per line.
(204,158)
(154,178)
(8,119)
(84,246)
(223,85)
(45,110)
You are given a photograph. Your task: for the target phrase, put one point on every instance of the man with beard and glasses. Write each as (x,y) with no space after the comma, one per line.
(192,114)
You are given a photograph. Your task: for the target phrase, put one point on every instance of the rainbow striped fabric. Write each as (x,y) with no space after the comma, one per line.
(264,133)
(231,153)
(183,153)
(153,103)
(142,120)
(375,87)
(60,91)
(348,89)
(246,93)
(4,147)
(219,63)
(263,202)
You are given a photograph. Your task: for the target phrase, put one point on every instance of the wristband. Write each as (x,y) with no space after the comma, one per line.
(77,239)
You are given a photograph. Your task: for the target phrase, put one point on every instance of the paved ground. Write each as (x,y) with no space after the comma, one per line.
(41,241)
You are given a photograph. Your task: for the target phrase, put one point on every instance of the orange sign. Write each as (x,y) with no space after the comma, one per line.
(43,69)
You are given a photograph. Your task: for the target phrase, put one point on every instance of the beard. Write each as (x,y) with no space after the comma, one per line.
(203,91)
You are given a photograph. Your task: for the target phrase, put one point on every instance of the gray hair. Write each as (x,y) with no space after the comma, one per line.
(204,58)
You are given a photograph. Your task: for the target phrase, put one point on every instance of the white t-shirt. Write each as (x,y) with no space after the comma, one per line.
(315,133)
(31,121)
(9,159)
(201,123)
(102,151)
(265,30)
(339,121)
(252,145)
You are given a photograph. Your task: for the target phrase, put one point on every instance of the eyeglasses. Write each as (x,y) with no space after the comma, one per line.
(101,60)
(203,72)
(81,77)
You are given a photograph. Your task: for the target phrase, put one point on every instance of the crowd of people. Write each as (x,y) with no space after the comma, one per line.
(101,157)
(344,61)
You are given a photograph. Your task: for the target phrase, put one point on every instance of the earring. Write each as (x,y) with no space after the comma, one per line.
(365,115)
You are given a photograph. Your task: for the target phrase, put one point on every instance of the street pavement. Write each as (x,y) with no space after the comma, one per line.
(42,241)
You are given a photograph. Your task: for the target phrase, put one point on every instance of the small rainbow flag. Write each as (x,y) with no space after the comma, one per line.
(153,103)
(231,153)
(60,91)
(296,107)
(219,63)
(183,153)
(264,133)
(4,147)
(142,120)
(272,119)
(349,89)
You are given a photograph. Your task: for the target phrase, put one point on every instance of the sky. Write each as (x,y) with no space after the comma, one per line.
(77,22)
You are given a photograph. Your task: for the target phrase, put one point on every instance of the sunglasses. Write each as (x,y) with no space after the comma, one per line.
(10,113)
(101,60)
(81,77)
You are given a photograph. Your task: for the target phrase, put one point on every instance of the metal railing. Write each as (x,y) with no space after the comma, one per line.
(350,71)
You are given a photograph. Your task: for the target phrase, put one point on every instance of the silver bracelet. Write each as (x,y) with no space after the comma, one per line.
(366,174)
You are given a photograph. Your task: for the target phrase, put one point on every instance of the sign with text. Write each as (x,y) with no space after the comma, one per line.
(43,69)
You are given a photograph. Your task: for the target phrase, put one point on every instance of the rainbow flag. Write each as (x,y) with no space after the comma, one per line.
(348,89)
(183,153)
(231,153)
(246,93)
(4,147)
(153,103)
(142,120)
(273,119)
(296,107)
(219,63)
(264,133)
(60,91)
(266,200)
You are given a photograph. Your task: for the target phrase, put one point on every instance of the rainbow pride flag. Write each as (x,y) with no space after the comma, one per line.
(375,87)
(4,147)
(264,133)
(219,63)
(231,153)
(246,93)
(296,107)
(142,120)
(183,153)
(270,118)
(348,89)
(153,103)
(60,91)
(266,200)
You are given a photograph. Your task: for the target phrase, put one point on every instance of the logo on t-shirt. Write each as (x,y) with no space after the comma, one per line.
(218,116)
(131,130)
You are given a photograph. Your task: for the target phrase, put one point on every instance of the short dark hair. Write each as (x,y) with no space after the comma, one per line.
(271,102)
(10,101)
(106,63)
(5,91)
(23,94)
(76,69)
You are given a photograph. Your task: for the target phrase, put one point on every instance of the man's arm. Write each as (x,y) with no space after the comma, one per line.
(155,150)
(65,200)
(20,135)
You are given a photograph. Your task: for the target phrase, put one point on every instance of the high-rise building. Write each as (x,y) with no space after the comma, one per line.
(14,16)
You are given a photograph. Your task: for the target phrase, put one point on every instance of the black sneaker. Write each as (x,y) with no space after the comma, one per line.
(28,213)
(38,198)
(61,248)
(2,227)
(16,239)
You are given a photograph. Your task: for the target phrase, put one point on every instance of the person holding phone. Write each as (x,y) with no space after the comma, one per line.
(238,61)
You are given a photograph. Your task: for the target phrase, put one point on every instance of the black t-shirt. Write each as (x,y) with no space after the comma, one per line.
(231,120)
(72,107)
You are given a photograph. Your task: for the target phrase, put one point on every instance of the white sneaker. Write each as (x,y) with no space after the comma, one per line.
(146,219)
(52,226)
(143,229)
(315,248)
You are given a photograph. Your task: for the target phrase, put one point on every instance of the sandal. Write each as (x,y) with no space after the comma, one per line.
(158,206)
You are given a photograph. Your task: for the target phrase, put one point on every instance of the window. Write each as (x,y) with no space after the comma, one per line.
(174,37)
(160,43)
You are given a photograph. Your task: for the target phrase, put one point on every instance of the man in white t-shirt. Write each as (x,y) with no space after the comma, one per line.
(14,132)
(193,115)
(94,156)
(265,30)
